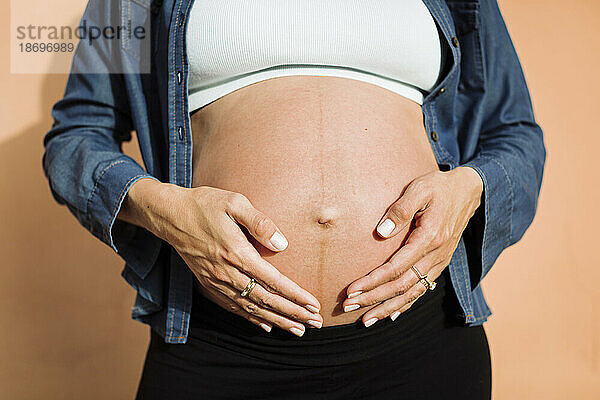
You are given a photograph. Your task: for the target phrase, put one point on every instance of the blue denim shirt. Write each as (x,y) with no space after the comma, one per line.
(479,115)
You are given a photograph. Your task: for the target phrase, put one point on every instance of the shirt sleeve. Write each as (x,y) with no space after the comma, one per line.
(510,154)
(83,161)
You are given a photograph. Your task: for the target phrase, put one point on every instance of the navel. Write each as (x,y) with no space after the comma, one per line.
(325,222)
(326,217)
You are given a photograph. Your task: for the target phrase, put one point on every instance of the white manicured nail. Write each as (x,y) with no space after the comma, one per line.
(312,308)
(316,324)
(386,228)
(297,331)
(354,294)
(279,241)
(265,327)
(370,322)
(395,315)
(351,307)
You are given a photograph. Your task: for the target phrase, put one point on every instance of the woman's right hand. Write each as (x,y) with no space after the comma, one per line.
(203,225)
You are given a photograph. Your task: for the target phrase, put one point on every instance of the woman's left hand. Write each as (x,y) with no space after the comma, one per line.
(441,204)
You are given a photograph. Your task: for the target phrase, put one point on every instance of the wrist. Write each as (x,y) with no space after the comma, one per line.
(144,198)
(472,179)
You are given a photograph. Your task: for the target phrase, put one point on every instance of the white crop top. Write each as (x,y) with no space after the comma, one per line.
(234,43)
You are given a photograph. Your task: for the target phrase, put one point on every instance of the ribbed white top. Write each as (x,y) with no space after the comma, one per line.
(234,43)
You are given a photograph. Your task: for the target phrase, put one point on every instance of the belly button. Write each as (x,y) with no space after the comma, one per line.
(325,222)
(326,217)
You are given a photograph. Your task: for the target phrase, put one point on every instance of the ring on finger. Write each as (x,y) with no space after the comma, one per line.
(248,288)
(424,279)
(429,284)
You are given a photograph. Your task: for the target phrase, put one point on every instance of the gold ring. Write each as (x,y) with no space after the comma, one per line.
(248,288)
(429,284)
(418,273)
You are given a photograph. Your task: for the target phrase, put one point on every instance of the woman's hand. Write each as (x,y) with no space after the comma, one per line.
(441,204)
(202,225)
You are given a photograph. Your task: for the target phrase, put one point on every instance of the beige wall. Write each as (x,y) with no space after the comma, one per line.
(64,309)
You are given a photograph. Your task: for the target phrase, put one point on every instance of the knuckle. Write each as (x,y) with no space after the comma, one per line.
(273,282)
(251,308)
(296,315)
(418,185)
(272,286)
(388,308)
(371,298)
(265,301)
(232,307)
(418,295)
(235,201)
(284,323)
(262,302)
(400,288)
(398,272)
(401,211)
(261,224)
(293,313)
(383,309)
(220,274)
(412,297)
(392,271)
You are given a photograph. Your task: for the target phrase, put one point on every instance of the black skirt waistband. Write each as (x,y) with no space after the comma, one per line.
(330,345)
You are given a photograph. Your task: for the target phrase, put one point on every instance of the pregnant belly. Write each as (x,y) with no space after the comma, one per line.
(324,158)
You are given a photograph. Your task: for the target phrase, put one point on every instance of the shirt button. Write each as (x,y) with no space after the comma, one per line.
(180,133)
(442,90)
(455,41)
(434,136)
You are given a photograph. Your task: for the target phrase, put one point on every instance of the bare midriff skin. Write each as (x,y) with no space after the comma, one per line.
(323,157)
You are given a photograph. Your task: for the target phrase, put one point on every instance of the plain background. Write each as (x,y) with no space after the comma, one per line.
(66,331)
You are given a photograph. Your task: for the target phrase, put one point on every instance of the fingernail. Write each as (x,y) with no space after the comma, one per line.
(351,307)
(312,308)
(370,322)
(297,331)
(386,227)
(354,294)
(316,324)
(278,241)
(395,315)
(265,327)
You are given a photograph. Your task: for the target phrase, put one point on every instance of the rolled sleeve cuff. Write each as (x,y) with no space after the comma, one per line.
(136,245)
(495,234)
